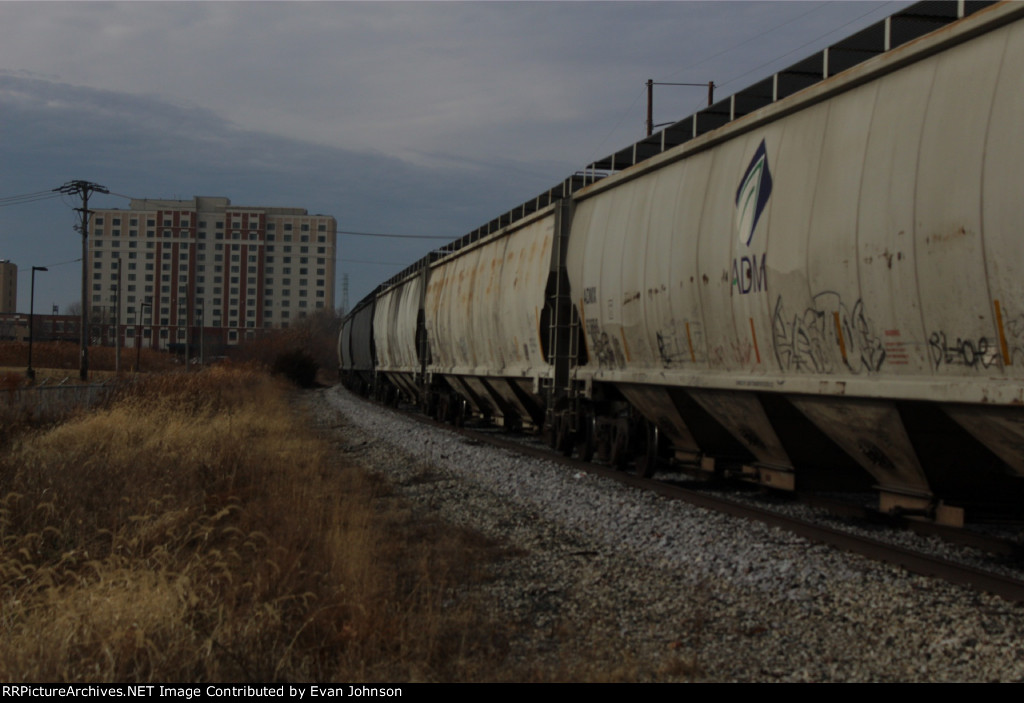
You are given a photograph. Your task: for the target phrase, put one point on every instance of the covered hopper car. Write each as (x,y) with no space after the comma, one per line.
(823,272)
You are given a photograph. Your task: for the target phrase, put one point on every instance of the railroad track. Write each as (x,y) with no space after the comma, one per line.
(1008,587)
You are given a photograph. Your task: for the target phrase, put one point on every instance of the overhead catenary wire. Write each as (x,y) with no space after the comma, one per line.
(803,46)
(743,43)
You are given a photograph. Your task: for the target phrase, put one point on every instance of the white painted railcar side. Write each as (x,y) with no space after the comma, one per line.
(483,317)
(395,329)
(850,247)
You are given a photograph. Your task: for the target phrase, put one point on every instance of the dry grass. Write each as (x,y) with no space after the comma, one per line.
(194,531)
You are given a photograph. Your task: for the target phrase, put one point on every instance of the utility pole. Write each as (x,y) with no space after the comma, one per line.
(83,189)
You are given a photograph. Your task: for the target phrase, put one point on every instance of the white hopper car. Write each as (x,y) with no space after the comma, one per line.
(820,271)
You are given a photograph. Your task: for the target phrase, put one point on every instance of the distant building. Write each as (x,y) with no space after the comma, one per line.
(8,286)
(206,265)
(47,328)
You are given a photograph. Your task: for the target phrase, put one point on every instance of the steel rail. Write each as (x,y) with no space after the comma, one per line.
(1005,587)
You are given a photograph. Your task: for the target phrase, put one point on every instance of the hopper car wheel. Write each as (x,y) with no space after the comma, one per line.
(618,454)
(549,435)
(564,436)
(551,431)
(586,442)
(648,463)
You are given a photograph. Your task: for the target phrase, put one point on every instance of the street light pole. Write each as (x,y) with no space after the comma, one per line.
(31,372)
(202,335)
(117,320)
(138,335)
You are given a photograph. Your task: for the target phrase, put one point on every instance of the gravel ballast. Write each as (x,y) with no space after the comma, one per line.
(605,581)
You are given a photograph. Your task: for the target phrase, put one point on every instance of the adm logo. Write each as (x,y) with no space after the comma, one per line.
(748,272)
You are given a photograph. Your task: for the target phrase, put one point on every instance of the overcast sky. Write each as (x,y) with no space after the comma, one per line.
(421,118)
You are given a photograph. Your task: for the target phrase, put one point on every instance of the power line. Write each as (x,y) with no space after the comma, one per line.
(27,198)
(50,266)
(395,236)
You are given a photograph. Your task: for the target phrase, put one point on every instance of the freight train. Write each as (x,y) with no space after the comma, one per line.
(823,273)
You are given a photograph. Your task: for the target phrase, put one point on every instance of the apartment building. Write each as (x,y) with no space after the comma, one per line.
(203,268)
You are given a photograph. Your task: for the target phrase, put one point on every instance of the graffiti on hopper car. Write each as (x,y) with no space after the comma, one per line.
(606,348)
(973,353)
(1015,352)
(826,337)
(679,344)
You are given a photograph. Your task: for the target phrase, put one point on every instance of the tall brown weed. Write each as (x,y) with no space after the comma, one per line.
(195,531)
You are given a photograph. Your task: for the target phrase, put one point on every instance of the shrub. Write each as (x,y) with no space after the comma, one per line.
(297,366)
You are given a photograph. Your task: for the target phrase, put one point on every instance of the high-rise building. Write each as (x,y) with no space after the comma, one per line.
(175,267)
(8,286)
